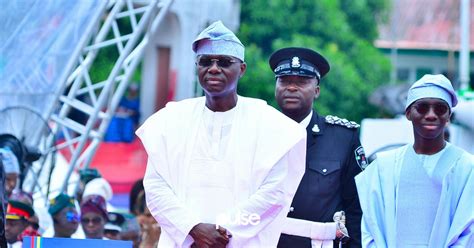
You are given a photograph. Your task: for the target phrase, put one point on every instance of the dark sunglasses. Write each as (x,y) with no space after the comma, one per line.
(72,217)
(222,62)
(438,108)
(95,220)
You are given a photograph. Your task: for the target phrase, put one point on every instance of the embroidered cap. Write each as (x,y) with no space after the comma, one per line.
(217,39)
(96,204)
(98,186)
(298,61)
(432,86)
(60,202)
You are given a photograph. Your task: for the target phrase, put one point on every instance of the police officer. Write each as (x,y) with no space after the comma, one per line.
(334,153)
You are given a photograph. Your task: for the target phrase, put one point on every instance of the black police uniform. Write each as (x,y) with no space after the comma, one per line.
(334,157)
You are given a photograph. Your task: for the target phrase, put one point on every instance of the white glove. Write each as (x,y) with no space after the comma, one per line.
(341,231)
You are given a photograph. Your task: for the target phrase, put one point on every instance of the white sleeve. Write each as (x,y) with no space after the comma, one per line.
(168,210)
(366,238)
(266,203)
(362,181)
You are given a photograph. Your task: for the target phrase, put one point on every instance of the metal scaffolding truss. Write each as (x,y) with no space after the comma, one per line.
(120,36)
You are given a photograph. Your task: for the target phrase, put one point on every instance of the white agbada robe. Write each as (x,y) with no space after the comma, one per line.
(201,164)
(378,189)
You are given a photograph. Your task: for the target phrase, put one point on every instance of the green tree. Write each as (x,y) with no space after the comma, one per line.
(342,30)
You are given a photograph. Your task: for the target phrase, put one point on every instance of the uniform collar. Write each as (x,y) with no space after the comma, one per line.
(305,122)
(316,124)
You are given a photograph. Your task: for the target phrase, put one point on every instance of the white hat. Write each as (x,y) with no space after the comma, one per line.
(9,160)
(98,186)
(432,86)
(217,39)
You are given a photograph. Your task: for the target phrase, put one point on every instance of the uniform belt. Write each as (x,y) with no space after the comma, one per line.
(321,234)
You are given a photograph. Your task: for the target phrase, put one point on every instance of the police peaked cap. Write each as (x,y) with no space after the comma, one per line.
(298,61)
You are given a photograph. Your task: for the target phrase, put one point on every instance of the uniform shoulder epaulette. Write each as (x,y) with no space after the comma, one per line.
(342,122)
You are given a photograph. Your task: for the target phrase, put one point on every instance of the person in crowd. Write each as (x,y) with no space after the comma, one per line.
(216,158)
(113,227)
(130,104)
(32,228)
(150,229)
(334,156)
(125,121)
(137,203)
(12,169)
(94,215)
(17,217)
(3,205)
(65,216)
(421,194)
(100,186)
(131,230)
(86,175)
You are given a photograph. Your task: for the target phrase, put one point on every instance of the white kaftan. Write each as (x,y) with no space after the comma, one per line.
(248,160)
(379,192)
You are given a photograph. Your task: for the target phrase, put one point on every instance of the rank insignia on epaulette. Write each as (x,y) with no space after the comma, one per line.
(342,122)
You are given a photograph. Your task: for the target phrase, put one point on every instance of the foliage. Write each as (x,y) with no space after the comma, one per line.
(342,30)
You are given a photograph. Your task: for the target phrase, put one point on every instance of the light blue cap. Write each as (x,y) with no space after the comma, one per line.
(432,86)
(9,160)
(217,39)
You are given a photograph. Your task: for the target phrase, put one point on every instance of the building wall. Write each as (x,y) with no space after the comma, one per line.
(184,21)
(412,64)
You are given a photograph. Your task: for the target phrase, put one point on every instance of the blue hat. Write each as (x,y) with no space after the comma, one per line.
(432,86)
(298,61)
(217,39)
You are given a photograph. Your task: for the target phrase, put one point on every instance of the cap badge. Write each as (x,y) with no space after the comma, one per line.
(295,62)
(315,128)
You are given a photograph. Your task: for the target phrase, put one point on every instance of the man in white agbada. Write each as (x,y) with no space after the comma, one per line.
(222,169)
(420,195)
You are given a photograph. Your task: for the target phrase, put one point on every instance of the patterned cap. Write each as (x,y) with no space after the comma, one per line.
(432,86)
(96,204)
(217,39)
(60,202)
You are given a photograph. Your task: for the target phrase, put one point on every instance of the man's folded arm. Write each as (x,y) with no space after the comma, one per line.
(266,203)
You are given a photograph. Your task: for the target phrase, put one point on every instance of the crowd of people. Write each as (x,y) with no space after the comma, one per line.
(231,171)
(87,215)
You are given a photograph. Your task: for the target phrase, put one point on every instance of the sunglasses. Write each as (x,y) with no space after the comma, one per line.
(438,108)
(222,62)
(72,217)
(95,220)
